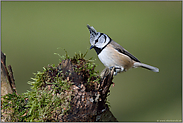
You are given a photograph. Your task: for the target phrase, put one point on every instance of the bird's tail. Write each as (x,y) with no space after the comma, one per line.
(138,64)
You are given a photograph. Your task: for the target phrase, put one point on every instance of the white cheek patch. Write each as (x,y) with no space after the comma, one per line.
(102,39)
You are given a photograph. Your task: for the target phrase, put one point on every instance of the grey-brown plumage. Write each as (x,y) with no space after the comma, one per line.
(122,50)
(111,54)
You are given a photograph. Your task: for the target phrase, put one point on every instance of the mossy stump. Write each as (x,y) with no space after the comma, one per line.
(70,92)
(89,98)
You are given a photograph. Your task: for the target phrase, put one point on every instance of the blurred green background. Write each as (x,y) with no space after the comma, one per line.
(151,31)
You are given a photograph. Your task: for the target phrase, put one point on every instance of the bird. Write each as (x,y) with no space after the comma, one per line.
(111,54)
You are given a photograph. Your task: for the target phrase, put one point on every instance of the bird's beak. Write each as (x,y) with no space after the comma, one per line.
(92,46)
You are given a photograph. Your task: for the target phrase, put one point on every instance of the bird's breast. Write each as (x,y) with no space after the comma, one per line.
(111,57)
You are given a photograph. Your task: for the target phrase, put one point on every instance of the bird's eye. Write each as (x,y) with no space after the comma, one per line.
(96,41)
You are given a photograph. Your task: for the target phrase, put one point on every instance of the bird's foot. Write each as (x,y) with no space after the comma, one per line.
(117,69)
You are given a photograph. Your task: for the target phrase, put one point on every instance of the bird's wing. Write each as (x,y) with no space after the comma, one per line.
(124,51)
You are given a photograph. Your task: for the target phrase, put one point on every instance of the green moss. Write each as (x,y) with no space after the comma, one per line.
(15,102)
(51,92)
(63,57)
(86,68)
(47,95)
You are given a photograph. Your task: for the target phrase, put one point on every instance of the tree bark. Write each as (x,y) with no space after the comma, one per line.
(7,79)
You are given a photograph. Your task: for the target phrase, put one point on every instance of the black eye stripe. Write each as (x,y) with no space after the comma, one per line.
(100,36)
(105,38)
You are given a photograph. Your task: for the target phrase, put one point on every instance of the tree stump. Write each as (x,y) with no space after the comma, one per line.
(85,99)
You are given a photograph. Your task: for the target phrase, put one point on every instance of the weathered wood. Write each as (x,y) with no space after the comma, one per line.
(6,86)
